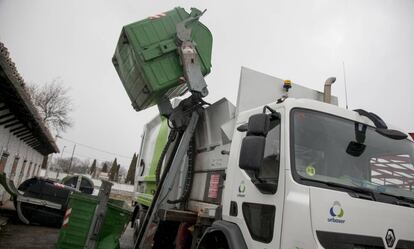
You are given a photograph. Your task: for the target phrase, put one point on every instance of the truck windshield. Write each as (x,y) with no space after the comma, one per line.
(331,149)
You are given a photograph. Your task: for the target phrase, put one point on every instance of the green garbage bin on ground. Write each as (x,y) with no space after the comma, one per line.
(78,219)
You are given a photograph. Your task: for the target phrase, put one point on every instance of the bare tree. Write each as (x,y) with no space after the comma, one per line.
(53,104)
(78,166)
(62,164)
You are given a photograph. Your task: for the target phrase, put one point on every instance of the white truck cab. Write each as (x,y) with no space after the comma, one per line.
(325,191)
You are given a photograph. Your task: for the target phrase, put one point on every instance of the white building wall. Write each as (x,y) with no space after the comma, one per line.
(4,136)
(13,149)
(17,148)
(18,170)
(23,152)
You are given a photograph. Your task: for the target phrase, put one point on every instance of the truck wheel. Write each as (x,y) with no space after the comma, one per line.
(165,236)
(138,221)
(15,203)
(135,214)
(214,240)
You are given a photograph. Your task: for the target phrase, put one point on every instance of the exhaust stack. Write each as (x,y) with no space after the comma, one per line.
(327,89)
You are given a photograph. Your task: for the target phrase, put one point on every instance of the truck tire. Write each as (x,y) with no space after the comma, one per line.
(138,221)
(222,234)
(214,240)
(165,236)
(15,203)
(135,213)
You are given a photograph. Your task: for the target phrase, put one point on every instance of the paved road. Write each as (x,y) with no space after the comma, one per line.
(127,239)
(16,235)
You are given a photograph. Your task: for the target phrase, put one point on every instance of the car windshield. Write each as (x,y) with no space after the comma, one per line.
(328,148)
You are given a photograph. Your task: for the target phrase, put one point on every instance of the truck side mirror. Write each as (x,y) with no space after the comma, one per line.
(252,152)
(258,125)
(253,145)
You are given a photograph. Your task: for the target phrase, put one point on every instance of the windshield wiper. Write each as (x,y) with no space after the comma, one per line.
(367,194)
(357,192)
(401,200)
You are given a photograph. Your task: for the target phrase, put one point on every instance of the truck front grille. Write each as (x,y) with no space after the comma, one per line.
(330,240)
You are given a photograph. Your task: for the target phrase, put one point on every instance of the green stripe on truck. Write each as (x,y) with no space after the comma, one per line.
(145,199)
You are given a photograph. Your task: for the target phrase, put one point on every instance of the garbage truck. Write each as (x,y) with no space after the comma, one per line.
(285,167)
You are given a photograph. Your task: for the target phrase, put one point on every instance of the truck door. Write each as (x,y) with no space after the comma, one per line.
(256,203)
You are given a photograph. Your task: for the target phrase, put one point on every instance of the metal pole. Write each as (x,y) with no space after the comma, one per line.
(61,154)
(71,158)
(49,161)
(99,216)
(59,168)
(346,90)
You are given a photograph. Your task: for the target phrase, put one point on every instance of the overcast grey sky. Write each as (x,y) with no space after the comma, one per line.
(302,40)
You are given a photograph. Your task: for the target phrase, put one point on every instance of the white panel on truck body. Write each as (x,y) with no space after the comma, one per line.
(259,89)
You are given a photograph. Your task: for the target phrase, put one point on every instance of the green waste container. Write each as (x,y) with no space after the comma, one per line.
(147,60)
(78,219)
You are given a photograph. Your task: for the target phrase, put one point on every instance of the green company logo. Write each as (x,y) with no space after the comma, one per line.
(310,170)
(336,212)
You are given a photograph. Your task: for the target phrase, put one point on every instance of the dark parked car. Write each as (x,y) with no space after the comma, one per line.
(43,201)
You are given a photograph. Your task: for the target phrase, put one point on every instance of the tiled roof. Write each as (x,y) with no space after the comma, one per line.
(14,94)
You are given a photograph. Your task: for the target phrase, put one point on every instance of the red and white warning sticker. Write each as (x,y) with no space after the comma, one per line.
(157,16)
(66,218)
(214,186)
